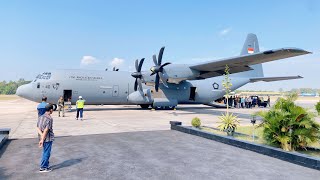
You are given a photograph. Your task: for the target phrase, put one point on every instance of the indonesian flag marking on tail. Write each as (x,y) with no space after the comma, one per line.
(250,50)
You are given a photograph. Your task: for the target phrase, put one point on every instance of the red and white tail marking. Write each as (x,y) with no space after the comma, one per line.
(250,50)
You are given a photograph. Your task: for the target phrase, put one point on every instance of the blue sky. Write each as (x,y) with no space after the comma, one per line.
(37,36)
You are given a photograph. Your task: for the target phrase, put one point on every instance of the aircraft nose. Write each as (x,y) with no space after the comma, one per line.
(24,91)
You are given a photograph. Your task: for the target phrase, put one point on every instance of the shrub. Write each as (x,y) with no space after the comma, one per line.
(229,122)
(196,122)
(289,126)
(318,107)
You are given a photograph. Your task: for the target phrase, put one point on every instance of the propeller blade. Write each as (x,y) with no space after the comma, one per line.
(157,82)
(140,65)
(163,65)
(160,56)
(155,60)
(163,79)
(136,63)
(140,85)
(152,73)
(135,85)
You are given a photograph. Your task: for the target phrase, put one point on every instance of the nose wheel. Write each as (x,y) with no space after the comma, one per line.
(54,107)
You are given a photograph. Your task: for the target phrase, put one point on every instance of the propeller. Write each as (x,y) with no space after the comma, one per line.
(158,69)
(138,75)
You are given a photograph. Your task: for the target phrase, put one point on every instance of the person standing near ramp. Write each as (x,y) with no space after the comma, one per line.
(80,106)
(61,106)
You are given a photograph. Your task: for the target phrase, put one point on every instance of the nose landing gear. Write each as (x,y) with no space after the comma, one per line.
(54,107)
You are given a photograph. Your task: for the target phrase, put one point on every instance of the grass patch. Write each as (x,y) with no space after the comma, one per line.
(8,97)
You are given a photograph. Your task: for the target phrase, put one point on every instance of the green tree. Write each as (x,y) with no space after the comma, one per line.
(11,87)
(289,126)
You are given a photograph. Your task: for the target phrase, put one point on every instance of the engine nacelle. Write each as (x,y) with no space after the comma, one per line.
(138,97)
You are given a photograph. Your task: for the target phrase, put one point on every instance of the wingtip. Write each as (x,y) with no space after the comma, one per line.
(297,50)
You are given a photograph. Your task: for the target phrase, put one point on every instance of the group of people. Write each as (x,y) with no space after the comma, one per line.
(44,127)
(244,102)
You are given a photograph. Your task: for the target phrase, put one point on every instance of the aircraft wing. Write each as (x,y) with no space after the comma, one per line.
(242,63)
(269,79)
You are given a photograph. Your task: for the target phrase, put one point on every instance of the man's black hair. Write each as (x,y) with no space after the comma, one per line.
(49,107)
(44,98)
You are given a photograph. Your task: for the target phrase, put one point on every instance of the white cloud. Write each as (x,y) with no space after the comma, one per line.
(116,62)
(225,31)
(87,60)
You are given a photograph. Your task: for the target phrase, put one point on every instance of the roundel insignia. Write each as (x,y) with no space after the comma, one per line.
(215,86)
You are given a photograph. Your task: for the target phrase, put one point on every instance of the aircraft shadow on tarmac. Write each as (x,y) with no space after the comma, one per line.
(125,108)
(181,110)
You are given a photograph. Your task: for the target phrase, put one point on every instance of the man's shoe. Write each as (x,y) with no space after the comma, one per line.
(81,119)
(76,118)
(45,170)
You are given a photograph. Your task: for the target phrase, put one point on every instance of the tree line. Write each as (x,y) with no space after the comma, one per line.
(11,86)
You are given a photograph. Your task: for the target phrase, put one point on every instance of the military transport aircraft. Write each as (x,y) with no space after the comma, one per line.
(165,86)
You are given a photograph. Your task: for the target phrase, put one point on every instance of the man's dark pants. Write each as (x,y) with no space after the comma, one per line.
(46,152)
(79,110)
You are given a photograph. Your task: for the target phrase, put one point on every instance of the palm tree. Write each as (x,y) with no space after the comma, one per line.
(288,125)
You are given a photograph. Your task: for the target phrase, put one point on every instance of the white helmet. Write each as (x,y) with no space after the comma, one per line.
(80,97)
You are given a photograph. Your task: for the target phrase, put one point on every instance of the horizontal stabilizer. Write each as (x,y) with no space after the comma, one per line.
(269,79)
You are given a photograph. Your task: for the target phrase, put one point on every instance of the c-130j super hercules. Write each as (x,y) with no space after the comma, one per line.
(199,83)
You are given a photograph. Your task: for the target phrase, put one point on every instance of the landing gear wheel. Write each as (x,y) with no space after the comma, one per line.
(54,107)
(144,106)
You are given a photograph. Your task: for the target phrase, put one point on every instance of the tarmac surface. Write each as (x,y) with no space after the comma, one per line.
(144,155)
(126,142)
(21,116)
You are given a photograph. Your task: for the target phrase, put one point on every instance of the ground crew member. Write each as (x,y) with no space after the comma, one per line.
(61,106)
(80,106)
(42,106)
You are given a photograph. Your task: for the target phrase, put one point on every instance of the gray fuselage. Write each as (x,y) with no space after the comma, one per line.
(114,87)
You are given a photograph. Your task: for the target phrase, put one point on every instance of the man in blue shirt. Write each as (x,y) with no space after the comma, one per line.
(42,106)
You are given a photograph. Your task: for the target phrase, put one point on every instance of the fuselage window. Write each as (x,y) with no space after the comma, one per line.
(38,85)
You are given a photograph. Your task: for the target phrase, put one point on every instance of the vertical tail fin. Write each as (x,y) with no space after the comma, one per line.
(251,46)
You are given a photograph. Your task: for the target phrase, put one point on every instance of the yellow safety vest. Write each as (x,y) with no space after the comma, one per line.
(80,103)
